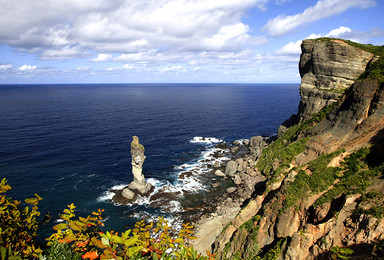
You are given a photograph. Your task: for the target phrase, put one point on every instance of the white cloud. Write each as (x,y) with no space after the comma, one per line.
(172,68)
(353,35)
(128,66)
(6,66)
(283,24)
(124,67)
(102,57)
(66,52)
(83,68)
(27,67)
(292,48)
(62,29)
(339,31)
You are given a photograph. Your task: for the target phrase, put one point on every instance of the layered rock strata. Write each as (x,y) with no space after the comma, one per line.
(327,68)
(317,223)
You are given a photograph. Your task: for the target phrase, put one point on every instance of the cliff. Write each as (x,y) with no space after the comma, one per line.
(327,68)
(324,174)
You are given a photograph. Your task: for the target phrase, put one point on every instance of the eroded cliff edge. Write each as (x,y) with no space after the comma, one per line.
(327,69)
(324,174)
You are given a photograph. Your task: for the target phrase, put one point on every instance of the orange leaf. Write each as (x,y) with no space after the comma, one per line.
(90,255)
(81,244)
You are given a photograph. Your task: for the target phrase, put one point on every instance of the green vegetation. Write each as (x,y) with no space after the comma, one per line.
(19,225)
(320,179)
(274,252)
(77,238)
(287,147)
(376,69)
(335,90)
(340,253)
(354,177)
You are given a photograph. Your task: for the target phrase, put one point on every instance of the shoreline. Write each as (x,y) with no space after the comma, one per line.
(220,211)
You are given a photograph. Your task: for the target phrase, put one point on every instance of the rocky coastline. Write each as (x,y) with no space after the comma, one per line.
(314,187)
(304,199)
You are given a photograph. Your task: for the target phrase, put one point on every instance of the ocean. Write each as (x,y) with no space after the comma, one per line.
(71,143)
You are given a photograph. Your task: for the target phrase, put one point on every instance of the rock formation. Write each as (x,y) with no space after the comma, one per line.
(324,173)
(137,153)
(327,68)
(138,186)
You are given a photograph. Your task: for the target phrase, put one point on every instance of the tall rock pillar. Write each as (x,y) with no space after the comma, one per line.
(137,153)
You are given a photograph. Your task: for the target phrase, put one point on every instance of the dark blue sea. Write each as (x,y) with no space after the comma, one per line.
(71,143)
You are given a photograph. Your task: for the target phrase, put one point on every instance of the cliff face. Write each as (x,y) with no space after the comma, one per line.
(325,174)
(327,69)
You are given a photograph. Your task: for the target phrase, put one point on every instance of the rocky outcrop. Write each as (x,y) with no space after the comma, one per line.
(137,153)
(308,228)
(138,186)
(327,68)
(358,119)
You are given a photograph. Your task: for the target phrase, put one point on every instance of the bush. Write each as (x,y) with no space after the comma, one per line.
(19,225)
(82,238)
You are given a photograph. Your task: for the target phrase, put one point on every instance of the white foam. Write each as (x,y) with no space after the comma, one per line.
(193,173)
(205,140)
(108,195)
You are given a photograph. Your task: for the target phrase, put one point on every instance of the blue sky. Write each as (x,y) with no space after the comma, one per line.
(145,41)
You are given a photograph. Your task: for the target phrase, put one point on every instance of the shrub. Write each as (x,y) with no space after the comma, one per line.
(82,238)
(19,225)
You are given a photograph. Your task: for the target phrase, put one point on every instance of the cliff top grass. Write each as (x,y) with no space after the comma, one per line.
(377,50)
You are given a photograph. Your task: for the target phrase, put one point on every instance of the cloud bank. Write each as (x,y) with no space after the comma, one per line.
(283,24)
(63,29)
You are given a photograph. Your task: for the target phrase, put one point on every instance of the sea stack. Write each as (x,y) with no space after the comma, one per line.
(138,185)
(137,153)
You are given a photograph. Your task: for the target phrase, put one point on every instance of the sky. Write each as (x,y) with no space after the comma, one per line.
(172,41)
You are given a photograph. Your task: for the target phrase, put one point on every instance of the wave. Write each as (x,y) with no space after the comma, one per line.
(189,179)
(205,140)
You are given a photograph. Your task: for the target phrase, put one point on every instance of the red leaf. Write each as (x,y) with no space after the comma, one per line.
(90,255)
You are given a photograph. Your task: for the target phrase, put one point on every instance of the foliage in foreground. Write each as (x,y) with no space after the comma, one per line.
(82,238)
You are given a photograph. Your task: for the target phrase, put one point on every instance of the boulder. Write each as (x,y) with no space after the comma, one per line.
(237,179)
(231,190)
(231,168)
(216,164)
(219,173)
(128,194)
(257,142)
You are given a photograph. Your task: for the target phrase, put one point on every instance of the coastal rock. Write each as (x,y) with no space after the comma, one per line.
(219,173)
(231,190)
(137,152)
(257,142)
(216,164)
(281,131)
(327,68)
(231,168)
(237,179)
(128,194)
(138,186)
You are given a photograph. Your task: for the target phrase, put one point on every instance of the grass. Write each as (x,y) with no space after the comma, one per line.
(287,147)
(354,177)
(321,178)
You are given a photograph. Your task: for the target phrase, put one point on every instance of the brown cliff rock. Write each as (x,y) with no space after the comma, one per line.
(327,68)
